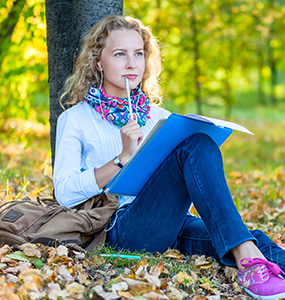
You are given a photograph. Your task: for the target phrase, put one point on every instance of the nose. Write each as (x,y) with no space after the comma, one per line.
(131,63)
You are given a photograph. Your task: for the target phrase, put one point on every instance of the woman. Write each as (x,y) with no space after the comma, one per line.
(95,138)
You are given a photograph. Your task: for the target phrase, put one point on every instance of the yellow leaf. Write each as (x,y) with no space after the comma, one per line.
(205,286)
(138,265)
(183,277)
(173,253)
(125,295)
(202,262)
(139,287)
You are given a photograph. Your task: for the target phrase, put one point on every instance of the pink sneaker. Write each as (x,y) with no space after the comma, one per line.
(261,279)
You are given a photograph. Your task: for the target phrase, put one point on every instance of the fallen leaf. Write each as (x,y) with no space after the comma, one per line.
(174,294)
(106,296)
(20,268)
(5,250)
(18,255)
(231,273)
(127,295)
(63,272)
(138,265)
(9,296)
(206,283)
(55,292)
(154,296)
(75,290)
(32,277)
(30,250)
(205,286)
(139,287)
(82,278)
(7,288)
(202,262)
(11,278)
(184,278)
(173,253)
(120,286)
(62,250)
(159,269)
(152,279)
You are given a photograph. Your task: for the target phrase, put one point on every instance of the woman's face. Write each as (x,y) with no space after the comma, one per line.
(122,57)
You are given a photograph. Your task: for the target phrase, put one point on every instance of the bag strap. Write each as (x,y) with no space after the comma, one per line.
(11,203)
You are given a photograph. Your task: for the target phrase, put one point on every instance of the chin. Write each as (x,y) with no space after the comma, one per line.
(133,86)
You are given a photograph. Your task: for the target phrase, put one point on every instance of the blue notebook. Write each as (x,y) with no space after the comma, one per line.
(164,137)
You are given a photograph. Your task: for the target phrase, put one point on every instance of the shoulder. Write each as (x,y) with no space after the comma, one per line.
(158,111)
(77,114)
(77,111)
(74,118)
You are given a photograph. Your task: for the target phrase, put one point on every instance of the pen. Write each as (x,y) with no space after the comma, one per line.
(121,256)
(129,98)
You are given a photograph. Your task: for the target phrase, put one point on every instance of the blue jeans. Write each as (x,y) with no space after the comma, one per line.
(157,219)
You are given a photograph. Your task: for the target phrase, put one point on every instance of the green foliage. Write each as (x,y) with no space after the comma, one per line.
(23,59)
(211,51)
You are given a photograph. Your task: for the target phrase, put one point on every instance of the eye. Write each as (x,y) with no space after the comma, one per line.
(119,54)
(139,53)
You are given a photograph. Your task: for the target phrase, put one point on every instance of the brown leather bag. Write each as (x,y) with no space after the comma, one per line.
(45,221)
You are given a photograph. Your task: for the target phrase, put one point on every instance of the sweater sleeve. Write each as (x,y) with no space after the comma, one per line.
(72,185)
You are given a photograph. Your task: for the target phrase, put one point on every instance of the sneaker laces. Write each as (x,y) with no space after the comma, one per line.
(271,268)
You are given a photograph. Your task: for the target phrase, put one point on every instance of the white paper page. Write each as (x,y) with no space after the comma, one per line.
(228,124)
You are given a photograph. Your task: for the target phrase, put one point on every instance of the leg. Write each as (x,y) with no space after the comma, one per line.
(195,239)
(192,173)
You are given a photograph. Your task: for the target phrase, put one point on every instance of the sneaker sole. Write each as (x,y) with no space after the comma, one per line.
(274,297)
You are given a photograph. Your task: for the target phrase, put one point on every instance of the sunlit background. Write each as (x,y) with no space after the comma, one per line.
(220,58)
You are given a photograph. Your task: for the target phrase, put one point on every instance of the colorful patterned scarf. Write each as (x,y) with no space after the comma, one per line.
(116,110)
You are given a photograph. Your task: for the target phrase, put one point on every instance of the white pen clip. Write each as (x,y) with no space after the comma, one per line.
(129,98)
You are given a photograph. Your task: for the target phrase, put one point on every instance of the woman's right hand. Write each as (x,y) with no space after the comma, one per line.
(131,137)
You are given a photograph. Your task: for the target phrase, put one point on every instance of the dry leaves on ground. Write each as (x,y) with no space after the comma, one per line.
(41,272)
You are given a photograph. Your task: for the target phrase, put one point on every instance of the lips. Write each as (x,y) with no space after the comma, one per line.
(131,76)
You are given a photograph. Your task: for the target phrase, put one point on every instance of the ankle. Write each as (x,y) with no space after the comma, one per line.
(246,250)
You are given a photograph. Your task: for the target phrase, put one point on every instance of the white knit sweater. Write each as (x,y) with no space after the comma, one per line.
(84,142)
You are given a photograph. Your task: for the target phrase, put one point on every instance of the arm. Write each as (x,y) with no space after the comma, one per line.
(131,137)
(73,185)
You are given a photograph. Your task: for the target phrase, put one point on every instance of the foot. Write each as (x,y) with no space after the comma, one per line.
(261,279)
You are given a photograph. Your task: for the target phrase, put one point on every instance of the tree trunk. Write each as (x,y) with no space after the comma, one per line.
(67,22)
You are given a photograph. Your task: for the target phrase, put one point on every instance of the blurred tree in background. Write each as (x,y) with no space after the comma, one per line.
(213,51)
(23,57)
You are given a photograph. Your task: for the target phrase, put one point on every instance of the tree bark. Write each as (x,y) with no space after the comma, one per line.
(67,22)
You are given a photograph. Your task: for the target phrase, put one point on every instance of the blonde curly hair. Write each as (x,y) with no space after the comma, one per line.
(86,73)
